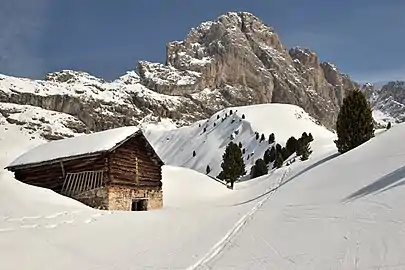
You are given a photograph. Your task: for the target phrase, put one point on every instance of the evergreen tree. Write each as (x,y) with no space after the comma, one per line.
(204,130)
(231,112)
(278,163)
(208,169)
(306,151)
(262,138)
(278,148)
(194,154)
(310,137)
(266,156)
(285,153)
(272,138)
(354,125)
(243,151)
(388,125)
(218,116)
(243,116)
(257,135)
(272,155)
(232,164)
(291,145)
(215,124)
(240,145)
(259,169)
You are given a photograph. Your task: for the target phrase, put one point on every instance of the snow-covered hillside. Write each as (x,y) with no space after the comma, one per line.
(330,212)
(176,146)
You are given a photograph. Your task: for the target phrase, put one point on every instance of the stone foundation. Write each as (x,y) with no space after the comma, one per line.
(96,198)
(121,198)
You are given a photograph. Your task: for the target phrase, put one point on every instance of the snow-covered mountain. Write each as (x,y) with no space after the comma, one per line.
(388,102)
(236,60)
(208,138)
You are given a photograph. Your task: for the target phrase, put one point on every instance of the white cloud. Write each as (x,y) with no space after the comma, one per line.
(21,28)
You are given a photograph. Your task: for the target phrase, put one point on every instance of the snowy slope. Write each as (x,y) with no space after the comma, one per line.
(330,212)
(176,146)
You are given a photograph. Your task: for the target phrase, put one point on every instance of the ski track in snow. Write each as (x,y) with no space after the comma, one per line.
(217,249)
(50,221)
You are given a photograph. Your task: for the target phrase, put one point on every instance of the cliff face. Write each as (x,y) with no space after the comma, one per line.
(234,61)
(242,61)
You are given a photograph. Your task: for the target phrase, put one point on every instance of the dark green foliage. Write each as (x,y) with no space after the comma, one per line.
(278,163)
(310,137)
(272,154)
(243,151)
(257,135)
(259,169)
(291,145)
(243,116)
(232,164)
(266,156)
(240,145)
(306,151)
(262,138)
(354,125)
(208,169)
(272,138)
(218,116)
(231,112)
(389,125)
(194,154)
(278,148)
(285,153)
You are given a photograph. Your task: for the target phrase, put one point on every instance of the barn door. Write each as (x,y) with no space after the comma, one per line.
(76,183)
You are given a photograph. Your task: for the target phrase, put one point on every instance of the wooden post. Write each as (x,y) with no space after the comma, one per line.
(136,170)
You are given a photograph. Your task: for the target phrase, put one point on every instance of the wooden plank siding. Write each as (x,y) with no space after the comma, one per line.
(51,175)
(132,164)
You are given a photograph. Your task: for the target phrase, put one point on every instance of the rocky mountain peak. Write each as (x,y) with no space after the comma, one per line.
(71,76)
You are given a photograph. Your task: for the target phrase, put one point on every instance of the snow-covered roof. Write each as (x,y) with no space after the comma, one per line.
(81,145)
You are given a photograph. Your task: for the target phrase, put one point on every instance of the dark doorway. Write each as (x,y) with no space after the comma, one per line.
(139,205)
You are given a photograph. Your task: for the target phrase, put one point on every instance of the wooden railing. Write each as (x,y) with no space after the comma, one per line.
(76,183)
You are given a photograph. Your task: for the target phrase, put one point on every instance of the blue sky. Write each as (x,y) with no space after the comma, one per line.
(105,38)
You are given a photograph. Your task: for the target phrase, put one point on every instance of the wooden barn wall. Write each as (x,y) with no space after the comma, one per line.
(122,165)
(51,176)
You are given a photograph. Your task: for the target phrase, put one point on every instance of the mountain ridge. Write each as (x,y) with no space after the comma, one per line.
(236,60)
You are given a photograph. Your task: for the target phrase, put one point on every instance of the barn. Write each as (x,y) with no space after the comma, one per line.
(116,169)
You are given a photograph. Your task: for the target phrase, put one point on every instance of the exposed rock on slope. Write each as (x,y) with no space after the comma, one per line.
(233,61)
(243,62)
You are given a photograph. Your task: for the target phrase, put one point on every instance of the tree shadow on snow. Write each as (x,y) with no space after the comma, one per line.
(380,185)
(307,169)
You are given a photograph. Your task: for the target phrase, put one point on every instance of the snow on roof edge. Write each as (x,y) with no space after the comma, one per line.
(75,147)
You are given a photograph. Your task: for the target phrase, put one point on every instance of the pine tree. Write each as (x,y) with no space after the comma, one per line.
(243,116)
(388,125)
(240,145)
(230,112)
(354,125)
(232,164)
(218,116)
(208,169)
(243,151)
(272,138)
(262,138)
(278,163)
(278,148)
(194,154)
(257,135)
(259,169)
(306,151)
(266,156)
(291,145)
(272,156)
(215,124)
(204,130)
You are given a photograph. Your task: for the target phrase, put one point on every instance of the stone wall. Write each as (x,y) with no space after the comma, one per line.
(96,198)
(120,198)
